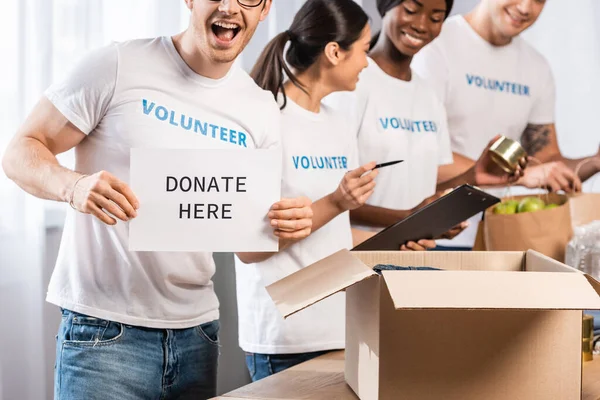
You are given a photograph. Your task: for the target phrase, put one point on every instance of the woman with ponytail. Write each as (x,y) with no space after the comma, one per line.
(398,116)
(323,51)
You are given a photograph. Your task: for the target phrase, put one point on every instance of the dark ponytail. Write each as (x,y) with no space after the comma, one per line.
(374,40)
(383,6)
(317,23)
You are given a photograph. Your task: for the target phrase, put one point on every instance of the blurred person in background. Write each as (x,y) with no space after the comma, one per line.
(493,82)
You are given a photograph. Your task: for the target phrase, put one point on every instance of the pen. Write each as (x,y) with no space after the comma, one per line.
(387,164)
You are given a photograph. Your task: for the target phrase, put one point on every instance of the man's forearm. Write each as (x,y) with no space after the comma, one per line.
(324,210)
(36,170)
(377,216)
(589,166)
(467,177)
(359,236)
(540,141)
(460,165)
(252,258)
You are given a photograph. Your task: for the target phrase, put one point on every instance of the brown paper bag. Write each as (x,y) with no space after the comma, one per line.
(546,231)
(479,244)
(585,208)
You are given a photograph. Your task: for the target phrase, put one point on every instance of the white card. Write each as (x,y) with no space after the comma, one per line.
(204,200)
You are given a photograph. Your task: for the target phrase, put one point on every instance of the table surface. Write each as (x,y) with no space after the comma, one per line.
(323,379)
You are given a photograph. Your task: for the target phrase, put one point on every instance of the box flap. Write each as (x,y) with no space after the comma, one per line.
(595,284)
(490,290)
(538,262)
(317,282)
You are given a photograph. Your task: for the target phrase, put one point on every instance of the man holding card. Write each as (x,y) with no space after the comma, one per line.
(143,324)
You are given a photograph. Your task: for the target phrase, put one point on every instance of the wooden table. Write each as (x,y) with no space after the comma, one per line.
(323,379)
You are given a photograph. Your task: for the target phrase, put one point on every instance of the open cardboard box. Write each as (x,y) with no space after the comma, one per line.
(492,325)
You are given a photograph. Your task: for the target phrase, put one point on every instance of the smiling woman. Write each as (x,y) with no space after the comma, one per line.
(397,115)
(436,11)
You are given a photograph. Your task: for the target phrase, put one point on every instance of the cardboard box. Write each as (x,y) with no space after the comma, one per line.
(503,325)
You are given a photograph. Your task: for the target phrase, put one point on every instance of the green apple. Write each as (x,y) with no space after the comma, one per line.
(531,204)
(507,207)
(551,206)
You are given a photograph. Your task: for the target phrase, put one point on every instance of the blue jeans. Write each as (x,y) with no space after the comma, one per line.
(379,268)
(262,365)
(98,359)
(447,248)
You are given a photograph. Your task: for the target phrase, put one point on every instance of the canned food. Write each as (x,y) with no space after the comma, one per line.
(506,153)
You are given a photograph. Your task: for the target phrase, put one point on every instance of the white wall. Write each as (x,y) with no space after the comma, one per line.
(569,37)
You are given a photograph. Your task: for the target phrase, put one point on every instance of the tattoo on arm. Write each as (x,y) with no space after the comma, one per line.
(535,138)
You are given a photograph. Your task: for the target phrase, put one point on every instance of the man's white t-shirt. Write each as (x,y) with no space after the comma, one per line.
(317,152)
(398,120)
(487,90)
(142,94)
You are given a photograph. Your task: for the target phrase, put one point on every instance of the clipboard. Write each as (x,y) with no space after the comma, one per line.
(433,220)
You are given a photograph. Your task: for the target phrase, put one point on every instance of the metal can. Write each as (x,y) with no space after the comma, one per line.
(506,153)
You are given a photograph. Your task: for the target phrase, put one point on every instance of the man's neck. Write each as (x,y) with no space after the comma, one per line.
(390,60)
(315,90)
(481,22)
(185,44)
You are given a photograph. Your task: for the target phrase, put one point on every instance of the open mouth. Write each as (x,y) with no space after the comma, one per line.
(225,32)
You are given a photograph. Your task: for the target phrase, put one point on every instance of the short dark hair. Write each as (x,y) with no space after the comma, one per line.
(383,6)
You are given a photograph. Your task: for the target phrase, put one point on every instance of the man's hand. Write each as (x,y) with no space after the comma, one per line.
(553,175)
(421,245)
(355,188)
(291,218)
(431,199)
(103,193)
(454,232)
(488,173)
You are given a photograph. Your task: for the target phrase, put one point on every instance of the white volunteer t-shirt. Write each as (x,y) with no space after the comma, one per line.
(398,120)
(142,94)
(317,152)
(487,90)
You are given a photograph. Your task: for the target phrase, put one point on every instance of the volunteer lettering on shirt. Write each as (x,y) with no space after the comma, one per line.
(497,85)
(320,162)
(408,125)
(182,121)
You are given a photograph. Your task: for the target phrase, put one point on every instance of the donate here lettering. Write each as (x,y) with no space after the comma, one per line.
(213,184)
